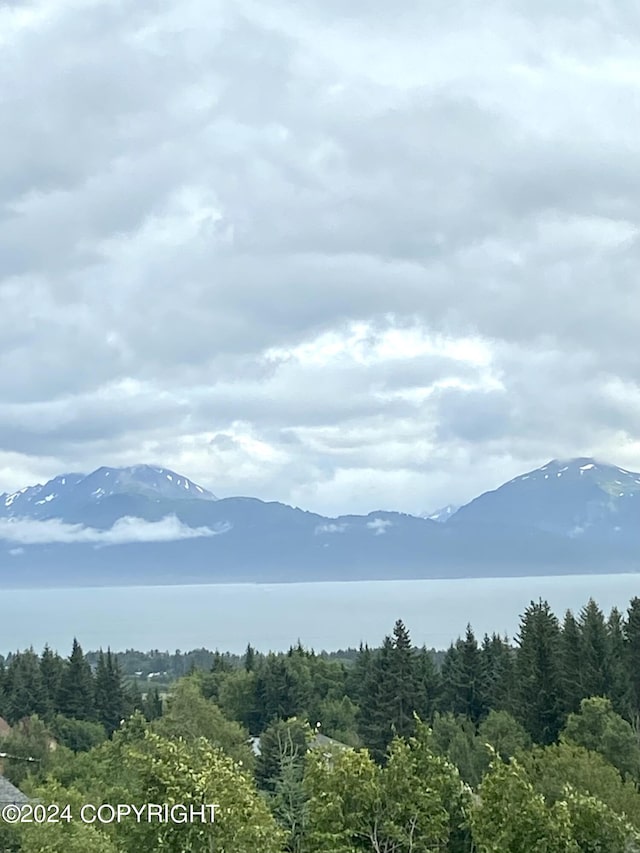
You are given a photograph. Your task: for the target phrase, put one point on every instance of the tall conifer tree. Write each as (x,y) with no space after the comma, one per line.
(632,646)
(25,693)
(617,664)
(571,663)
(540,705)
(594,671)
(498,662)
(465,678)
(77,699)
(51,669)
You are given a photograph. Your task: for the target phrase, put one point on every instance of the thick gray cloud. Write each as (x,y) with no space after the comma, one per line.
(324,253)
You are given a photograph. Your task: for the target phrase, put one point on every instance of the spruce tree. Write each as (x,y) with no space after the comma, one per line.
(429,685)
(619,682)
(632,656)
(76,697)
(539,700)
(277,690)
(498,658)
(358,676)
(375,724)
(571,663)
(152,705)
(51,669)
(111,702)
(3,695)
(465,679)
(220,663)
(594,671)
(249,658)
(25,693)
(282,738)
(393,692)
(403,685)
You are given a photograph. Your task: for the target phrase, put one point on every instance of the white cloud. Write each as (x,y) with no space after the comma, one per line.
(391,276)
(379,526)
(329,528)
(125,530)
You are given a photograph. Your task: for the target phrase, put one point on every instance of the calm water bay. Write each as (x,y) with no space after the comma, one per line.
(272,616)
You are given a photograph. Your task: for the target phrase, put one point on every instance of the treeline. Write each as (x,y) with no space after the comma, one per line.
(539,679)
(80,704)
(365,697)
(173,665)
(506,747)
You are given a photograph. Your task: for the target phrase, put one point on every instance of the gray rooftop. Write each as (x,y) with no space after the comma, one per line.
(318,740)
(10,794)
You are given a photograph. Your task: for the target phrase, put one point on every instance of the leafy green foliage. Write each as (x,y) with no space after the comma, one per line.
(510,815)
(415,802)
(190,716)
(77,735)
(516,751)
(597,727)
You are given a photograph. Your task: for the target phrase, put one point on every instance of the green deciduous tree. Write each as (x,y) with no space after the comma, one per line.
(416,802)
(455,739)
(194,773)
(597,727)
(509,815)
(504,734)
(596,828)
(77,735)
(190,716)
(551,768)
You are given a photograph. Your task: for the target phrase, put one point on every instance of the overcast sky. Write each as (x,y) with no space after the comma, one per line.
(349,260)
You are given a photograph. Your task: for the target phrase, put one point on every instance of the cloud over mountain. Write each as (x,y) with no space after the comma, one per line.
(319,252)
(28,531)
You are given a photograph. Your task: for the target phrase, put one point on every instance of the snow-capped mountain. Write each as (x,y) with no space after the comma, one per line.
(575,498)
(58,496)
(149,525)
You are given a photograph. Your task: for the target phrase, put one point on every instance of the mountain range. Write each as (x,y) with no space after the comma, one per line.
(149,525)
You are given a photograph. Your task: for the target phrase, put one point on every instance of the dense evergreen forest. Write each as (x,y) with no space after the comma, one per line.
(491,746)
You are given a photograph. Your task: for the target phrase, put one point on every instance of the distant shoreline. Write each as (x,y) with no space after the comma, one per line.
(267,582)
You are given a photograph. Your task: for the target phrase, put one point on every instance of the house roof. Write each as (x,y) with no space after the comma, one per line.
(10,794)
(317,741)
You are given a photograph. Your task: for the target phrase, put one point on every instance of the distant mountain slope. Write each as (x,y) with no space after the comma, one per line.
(76,493)
(443,514)
(146,525)
(573,498)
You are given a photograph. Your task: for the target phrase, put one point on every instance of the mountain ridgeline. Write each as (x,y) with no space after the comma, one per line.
(145,525)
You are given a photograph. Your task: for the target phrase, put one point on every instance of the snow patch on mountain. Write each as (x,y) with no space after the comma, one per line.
(76,489)
(441,515)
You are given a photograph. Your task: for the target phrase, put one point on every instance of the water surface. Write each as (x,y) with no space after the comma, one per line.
(273,616)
